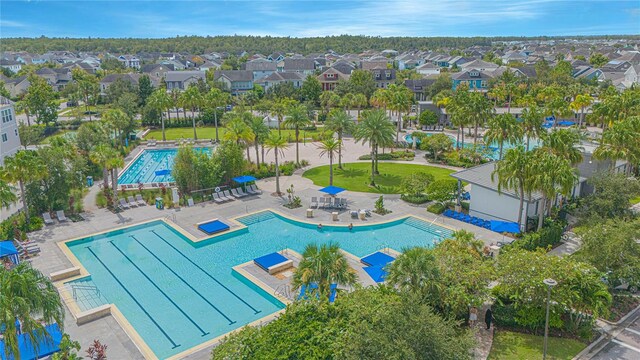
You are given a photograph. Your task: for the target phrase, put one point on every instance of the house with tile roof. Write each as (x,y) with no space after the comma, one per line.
(237,81)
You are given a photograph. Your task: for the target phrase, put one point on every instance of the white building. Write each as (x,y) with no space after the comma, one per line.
(9,138)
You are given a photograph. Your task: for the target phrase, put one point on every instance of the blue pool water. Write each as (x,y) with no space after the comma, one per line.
(144,167)
(178,294)
(494,147)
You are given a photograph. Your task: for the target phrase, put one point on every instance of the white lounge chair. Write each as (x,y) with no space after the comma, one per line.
(241,192)
(47,218)
(227,195)
(190,202)
(140,200)
(250,191)
(28,249)
(60,215)
(321,203)
(217,198)
(132,202)
(314,201)
(123,204)
(255,189)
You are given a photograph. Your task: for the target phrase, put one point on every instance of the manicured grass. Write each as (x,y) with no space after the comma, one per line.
(209,132)
(78,111)
(509,345)
(58,133)
(356,176)
(635,200)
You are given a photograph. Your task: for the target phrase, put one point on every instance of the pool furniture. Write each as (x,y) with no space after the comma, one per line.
(241,192)
(217,198)
(362,214)
(123,204)
(321,202)
(140,200)
(334,216)
(367,212)
(377,273)
(250,191)
(132,202)
(236,194)
(44,347)
(310,288)
(273,263)
(9,250)
(332,190)
(504,227)
(60,215)
(354,214)
(47,218)
(333,291)
(314,202)
(227,194)
(212,226)
(309,213)
(190,202)
(27,250)
(377,258)
(255,189)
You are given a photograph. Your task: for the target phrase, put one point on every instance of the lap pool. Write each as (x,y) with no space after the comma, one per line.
(144,166)
(178,294)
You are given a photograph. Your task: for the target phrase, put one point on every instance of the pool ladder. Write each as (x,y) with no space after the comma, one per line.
(75,287)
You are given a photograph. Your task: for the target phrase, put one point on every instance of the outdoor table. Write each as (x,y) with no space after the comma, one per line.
(363,214)
(334,216)
(309,213)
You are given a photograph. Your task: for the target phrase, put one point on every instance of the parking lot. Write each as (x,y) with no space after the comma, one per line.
(625,345)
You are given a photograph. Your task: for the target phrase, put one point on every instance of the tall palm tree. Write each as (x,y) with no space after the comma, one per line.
(297,118)
(376,130)
(22,168)
(101,154)
(532,120)
(554,102)
(238,131)
(359,101)
(347,101)
(115,162)
(28,296)
(279,109)
(502,128)
(277,143)
(7,195)
(481,110)
(401,101)
(340,123)
(160,100)
(214,99)
(259,131)
(329,100)
(579,104)
(119,121)
(329,147)
(323,265)
(514,173)
(621,142)
(176,98)
(552,175)
(192,99)
(564,143)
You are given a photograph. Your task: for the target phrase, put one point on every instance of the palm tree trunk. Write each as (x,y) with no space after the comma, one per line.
(521,204)
(330,168)
(248,157)
(23,197)
(541,211)
(340,150)
(528,138)
(501,145)
(377,161)
(399,127)
(114,184)
(193,120)
(257,152)
(297,146)
(277,172)
(177,114)
(105,177)
(262,150)
(458,139)
(462,135)
(164,137)
(373,165)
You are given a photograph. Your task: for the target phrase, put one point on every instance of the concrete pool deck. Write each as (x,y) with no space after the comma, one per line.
(108,330)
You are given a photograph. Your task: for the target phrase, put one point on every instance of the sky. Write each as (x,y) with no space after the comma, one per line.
(302,18)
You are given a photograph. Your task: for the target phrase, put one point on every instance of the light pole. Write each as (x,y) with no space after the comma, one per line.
(215,117)
(550,283)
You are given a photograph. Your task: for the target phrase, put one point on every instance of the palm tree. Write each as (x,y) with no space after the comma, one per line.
(377,130)
(347,101)
(7,195)
(328,100)
(329,147)
(359,101)
(532,120)
(340,123)
(481,110)
(22,168)
(119,121)
(297,118)
(28,296)
(401,101)
(579,104)
(323,266)
(416,271)
(115,162)
(279,109)
(237,131)
(514,173)
(160,100)
(176,98)
(192,99)
(259,131)
(621,141)
(564,143)
(214,99)
(277,143)
(555,105)
(503,128)
(552,175)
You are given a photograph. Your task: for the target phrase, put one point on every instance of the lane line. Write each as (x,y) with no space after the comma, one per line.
(206,273)
(633,331)
(158,288)
(135,300)
(184,281)
(626,345)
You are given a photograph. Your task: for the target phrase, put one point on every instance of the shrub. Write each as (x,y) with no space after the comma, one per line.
(16,226)
(548,236)
(415,199)
(394,155)
(436,208)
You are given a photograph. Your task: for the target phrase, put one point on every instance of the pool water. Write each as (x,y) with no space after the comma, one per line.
(494,147)
(178,294)
(144,167)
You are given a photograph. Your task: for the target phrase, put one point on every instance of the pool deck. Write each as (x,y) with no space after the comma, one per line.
(107,329)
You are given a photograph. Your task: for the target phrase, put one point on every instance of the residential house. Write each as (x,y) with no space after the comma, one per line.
(480,65)
(409,61)
(9,137)
(237,81)
(182,79)
(330,77)
(87,67)
(373,64)
(304,66)
(458,61)
(157,70)
(260,68)
(383,77)
(514,57)
(129,61)
(177,64)
(276,57)
(12,65)
(210,65)
(419,87)
(474,78)
(344,66)
(428,69)
(56,78)
(633,57)
(281,77)
(632,76)
(616,66)
(111,78)
(17,85)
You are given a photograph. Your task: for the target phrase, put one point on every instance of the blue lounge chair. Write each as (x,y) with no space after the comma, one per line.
(448,213)
(466,218)
(333,288)
(377,258)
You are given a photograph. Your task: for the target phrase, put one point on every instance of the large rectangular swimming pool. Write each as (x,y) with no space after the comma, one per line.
(143,168)
(178,294)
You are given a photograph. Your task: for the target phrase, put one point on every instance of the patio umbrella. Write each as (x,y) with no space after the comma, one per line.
(244,179)
(505,226)
(332,190)
(9,250)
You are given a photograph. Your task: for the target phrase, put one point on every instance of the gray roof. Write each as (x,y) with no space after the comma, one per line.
(183,75)
(261,65)
(152,67)
(299,64)
(481,176)
(235,75)
(464,75)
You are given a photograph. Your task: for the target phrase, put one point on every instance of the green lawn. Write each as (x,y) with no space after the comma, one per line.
(78,111)
(59,133)
(355,176)
(209,132)
(509,345)
(635,200)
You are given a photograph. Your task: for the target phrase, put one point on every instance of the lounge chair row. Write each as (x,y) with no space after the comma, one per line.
(230,195)
(354,213)
(468,219)
(330,203)
(49,221)
(27,249)
(130,202)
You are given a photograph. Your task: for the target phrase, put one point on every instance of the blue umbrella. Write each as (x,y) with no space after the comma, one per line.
(8,249)
(505,226)
(244,179)
(332,190)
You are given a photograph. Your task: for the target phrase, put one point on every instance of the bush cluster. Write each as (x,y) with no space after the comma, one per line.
(394,155)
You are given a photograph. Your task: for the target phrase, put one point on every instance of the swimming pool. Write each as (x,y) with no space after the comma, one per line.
(494,147)
(178,294)
(143,168)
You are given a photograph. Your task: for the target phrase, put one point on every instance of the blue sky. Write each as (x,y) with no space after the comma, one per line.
(137,18)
